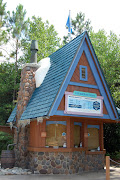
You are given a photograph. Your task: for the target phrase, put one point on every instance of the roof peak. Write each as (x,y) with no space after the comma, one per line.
(81,35)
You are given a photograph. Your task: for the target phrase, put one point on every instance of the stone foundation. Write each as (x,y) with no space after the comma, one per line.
(53,162)
(21,152)
(64,163)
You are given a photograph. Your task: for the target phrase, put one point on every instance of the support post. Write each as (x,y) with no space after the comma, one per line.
(85,135)
(107,167)
(101,138)
(70,127)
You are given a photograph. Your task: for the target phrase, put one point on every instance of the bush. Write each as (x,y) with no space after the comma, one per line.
(5,139)
(116,155)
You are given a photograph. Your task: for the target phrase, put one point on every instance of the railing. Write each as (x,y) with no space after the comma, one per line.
(108,159)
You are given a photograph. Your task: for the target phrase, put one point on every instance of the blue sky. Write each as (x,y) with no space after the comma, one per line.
(104,14)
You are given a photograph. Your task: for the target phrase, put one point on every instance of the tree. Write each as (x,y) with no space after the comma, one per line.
(79,25)
(7,74)
(18,29)
(107,48)
(46,36)
(112,137)
(3,32)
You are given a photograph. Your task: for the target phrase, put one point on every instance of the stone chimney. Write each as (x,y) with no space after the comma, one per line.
(27,84)
(27,87)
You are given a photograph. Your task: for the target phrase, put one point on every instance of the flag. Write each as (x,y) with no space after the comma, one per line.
(68,24)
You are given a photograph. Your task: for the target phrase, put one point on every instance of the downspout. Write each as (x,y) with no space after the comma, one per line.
(18,131)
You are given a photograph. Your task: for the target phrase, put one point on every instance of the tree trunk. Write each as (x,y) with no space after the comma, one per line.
(16,71)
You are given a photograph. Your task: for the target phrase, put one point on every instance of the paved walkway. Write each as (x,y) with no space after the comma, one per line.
(114,175)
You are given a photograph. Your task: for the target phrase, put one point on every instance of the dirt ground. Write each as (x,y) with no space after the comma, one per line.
(114,175)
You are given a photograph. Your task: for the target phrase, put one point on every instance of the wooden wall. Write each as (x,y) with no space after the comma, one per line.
(73,137)
(76,77)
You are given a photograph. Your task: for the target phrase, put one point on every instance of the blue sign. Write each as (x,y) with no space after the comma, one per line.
(86,94)
(96,105)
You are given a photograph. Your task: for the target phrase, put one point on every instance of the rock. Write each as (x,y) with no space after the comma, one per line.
(41,153)
(53,163)
(61,157)
(14,171)
(57,161)
(43,171)
(36,172)
(55,171)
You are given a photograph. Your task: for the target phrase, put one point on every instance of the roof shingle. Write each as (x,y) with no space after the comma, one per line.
(43,97)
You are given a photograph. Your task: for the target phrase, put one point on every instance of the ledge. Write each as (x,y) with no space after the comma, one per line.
(35,65)
(35,149)
(96,152)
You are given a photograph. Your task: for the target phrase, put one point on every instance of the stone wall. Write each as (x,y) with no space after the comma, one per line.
(27,87)
(64,163)
(22,141)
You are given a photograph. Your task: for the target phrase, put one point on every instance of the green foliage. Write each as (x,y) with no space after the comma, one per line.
(46,36)
(2,12)
(7,73)
(79,25)
(116,155)
(18,27)
(107,48)
(3,17)
(17,22)
(112,137)
(5,139)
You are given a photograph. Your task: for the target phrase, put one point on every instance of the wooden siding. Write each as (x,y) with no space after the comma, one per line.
(35,134)
(76,75)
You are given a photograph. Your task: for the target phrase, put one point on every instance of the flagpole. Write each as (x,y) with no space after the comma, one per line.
(70,22)
(69,25)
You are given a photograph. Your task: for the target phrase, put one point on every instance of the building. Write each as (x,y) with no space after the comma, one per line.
(60,123)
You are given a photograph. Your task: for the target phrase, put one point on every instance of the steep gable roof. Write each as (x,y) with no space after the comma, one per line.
(44,96)
(88,49)
(46,99)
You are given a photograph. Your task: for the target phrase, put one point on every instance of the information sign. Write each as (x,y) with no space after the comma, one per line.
(83,105)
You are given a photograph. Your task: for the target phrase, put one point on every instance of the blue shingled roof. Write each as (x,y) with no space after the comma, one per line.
(13,115)
(44,96)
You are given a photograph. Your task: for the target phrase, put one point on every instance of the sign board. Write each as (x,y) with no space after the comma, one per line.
(43,134)
(82,105)
(86,94)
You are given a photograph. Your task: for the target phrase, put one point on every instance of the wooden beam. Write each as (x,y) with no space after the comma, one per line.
(43,129)
(107,167)
(70,133)
(85,135)
(101,139)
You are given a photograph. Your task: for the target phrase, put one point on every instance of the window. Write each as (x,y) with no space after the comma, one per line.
(56,133)
(93,137)
(77,134)
(83,73)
